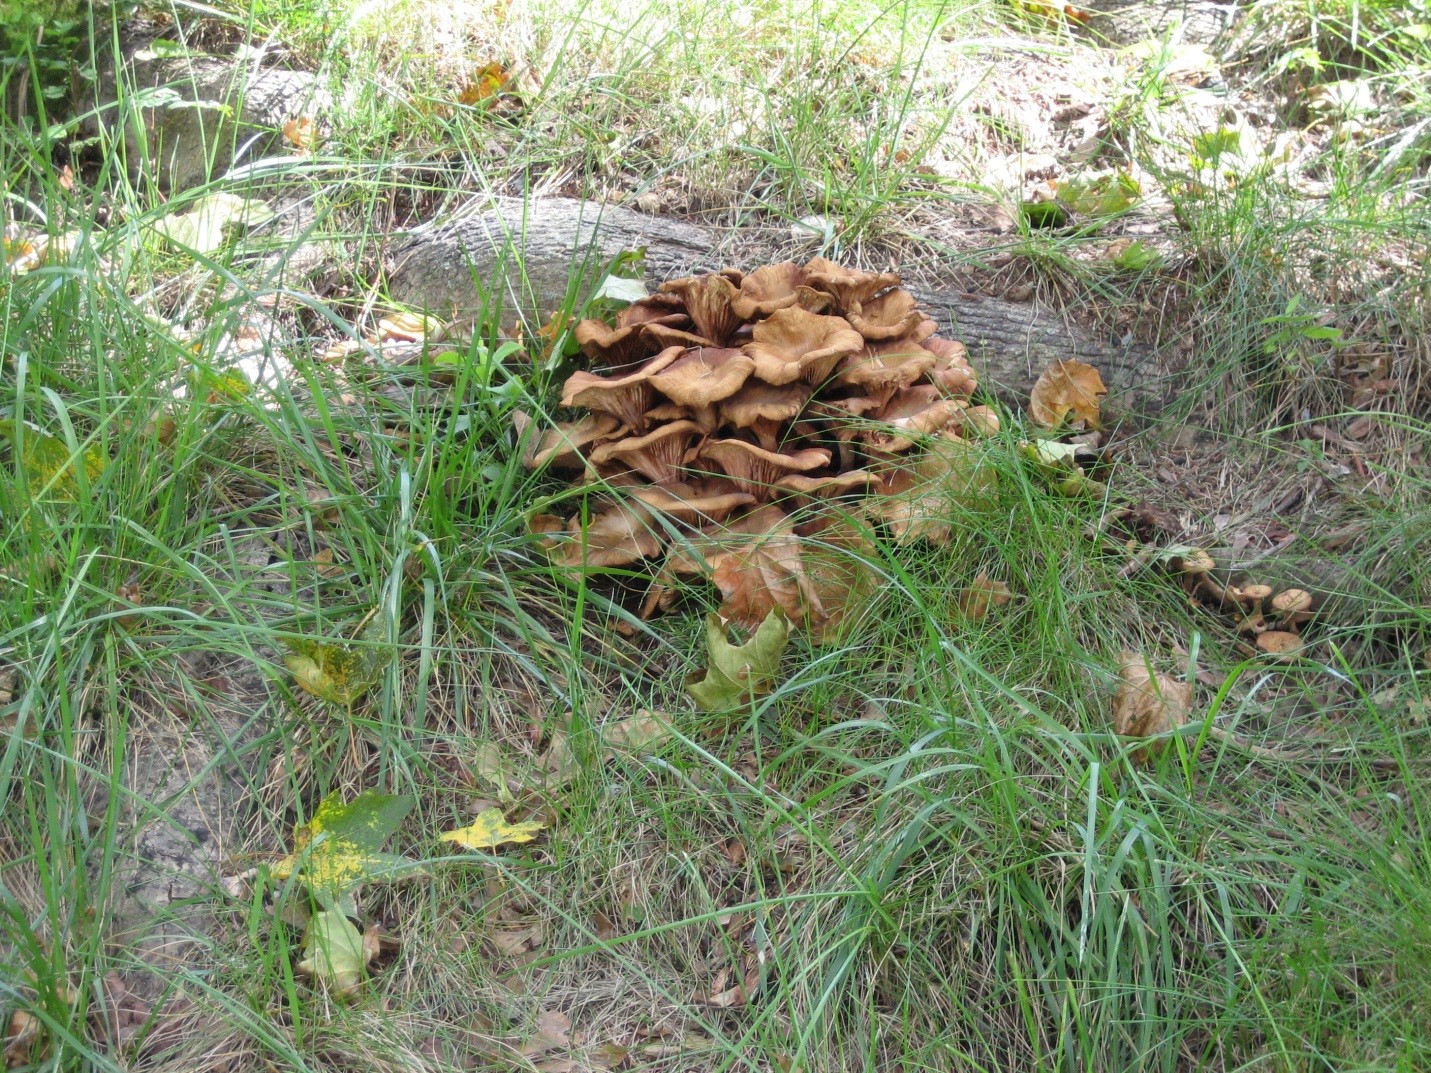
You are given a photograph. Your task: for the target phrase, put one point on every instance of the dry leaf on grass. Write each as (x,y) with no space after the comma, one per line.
(982,594)
(1148,702)
(735,673)
(490,829)
(1067,390)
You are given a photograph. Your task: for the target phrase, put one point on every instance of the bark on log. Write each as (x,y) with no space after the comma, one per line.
(202,115)
(528,254)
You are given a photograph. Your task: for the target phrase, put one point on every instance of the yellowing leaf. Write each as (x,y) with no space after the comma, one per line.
(300,133)
(339,847)
(337,672)
(338,954)
(735,673)
(490,829)
(488,82)
(48,462)
(209,223)
(1067,390)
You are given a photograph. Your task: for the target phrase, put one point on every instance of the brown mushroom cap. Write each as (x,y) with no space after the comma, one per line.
(795,344)
(666,335)
(708,303)
(910,414)
(657,309)
(1296,604)
(701,377)
(883,368)
(892,315)
(692,503)
(560,447)
(853,480)
(1255,592)
(625,397)
(1193,562)
(763,407)
(616,537)
(754,469)
(979,420)
(614,346)
(951,366)
(848,286)
(657,456)
(1279,643)
(768,290)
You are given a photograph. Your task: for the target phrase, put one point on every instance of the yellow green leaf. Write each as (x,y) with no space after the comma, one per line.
(48,462)
(337,672)
(338,956)
(339,847)
(735,673)
(490,829)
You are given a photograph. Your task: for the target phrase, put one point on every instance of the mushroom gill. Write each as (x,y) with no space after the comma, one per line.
(754,469)
(625,397)
(657,455)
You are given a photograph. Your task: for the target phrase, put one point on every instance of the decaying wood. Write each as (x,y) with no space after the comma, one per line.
(202,115)
(527,254)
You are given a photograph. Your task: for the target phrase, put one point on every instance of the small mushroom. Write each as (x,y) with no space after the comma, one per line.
(893,315)
(795,344)
(763,408)
(657,456)
(624,397)
(693,504)
(825,488)
(1293,607)
(702,377)
(708,303)
(1279,643)
(909,414)
(850,288)
(756,470)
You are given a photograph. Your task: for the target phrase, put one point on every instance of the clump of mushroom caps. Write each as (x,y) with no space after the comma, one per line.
(1272,620)
(736,422)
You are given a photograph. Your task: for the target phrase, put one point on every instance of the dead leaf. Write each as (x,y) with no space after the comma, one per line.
(490,767)
(300,133)
(1148,702)
(1067,390)
(338,954)
(982,594)
(639,732)
(487,82)
(735,673)
(739,994)
(21,1035)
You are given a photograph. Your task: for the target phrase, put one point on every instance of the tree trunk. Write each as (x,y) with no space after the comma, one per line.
(531,255)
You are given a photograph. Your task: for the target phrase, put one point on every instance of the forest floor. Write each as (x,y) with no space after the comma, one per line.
(245,588)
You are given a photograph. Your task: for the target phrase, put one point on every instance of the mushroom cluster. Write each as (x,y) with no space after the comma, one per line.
(1273,619)
(729,411)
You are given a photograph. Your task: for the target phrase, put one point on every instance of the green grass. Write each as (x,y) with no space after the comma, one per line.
(925,847)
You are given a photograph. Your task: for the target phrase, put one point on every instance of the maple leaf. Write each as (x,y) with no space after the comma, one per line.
(735,673)
(490,829)
(338,953)
(339,848)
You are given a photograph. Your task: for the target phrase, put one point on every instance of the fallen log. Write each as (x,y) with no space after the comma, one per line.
(531,255)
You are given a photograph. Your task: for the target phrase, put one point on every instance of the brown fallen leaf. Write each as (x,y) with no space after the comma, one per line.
(299,132)
(1067,390)
(553,1033)
(21,1035)
(982,594)
(738,994)
(638,732)
(487,81)
(1148,702)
